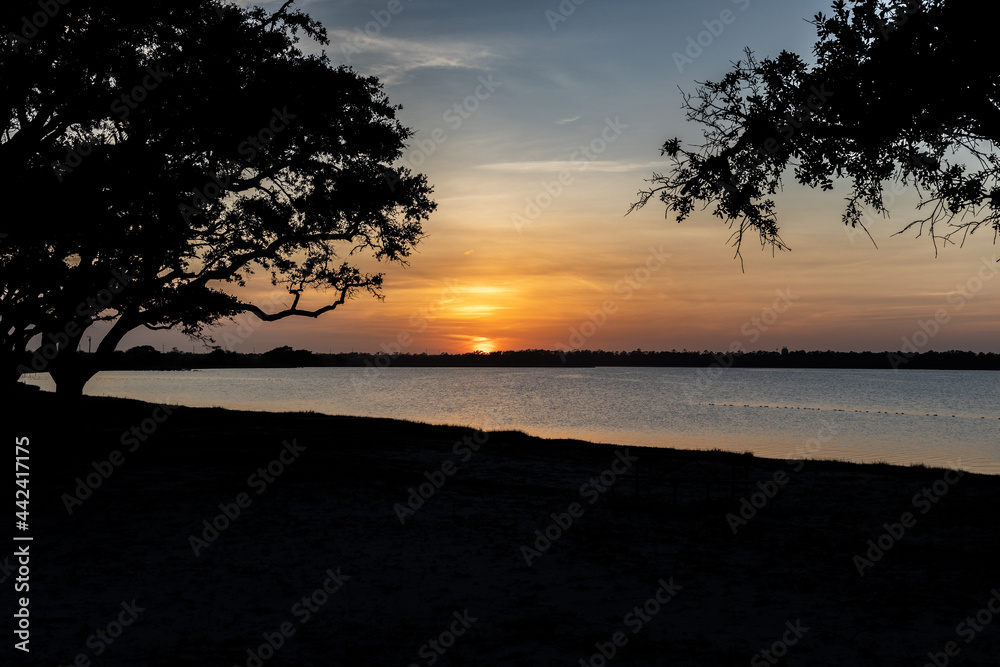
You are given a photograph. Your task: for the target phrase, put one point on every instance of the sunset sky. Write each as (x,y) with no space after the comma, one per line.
(503,96)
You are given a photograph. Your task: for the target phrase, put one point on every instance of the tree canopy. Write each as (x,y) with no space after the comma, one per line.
(157,154)
(896,91)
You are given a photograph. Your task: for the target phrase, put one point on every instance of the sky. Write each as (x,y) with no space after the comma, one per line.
(537,123)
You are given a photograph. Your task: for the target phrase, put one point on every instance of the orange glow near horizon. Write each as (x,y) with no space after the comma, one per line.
(580,278)
(480,344)
(530,246)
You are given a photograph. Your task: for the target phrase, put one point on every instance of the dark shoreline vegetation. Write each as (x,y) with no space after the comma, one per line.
(160,155)
(743,572)
(149,358)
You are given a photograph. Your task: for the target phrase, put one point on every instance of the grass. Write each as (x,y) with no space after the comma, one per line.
(333,508)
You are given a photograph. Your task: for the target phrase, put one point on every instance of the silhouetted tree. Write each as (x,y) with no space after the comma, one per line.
(286,356)
(898,91)
(157,153)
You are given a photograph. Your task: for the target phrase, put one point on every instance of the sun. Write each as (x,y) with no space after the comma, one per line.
(481,344)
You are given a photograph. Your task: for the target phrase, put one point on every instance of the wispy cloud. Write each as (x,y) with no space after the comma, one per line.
(391,58)
(564,121)
(615,166)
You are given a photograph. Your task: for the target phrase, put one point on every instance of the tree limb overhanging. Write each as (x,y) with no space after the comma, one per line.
(182,146)
(905,93)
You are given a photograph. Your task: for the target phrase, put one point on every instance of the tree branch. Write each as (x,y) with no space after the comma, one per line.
(294,311)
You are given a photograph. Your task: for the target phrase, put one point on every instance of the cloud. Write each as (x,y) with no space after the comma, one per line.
(564,121)
(392,58)
(613,166)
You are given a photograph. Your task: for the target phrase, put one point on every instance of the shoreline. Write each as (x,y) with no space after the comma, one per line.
(604,534)
(149,358)
(778,448)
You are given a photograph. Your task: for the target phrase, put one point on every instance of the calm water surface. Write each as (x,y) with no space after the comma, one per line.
(945,418)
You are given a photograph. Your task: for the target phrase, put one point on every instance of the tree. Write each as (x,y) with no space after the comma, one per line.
(142,351)
(162,152)
(898,91)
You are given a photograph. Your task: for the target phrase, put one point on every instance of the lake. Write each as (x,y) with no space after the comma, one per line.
(940,418)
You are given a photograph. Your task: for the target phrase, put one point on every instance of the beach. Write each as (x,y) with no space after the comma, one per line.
(174,535)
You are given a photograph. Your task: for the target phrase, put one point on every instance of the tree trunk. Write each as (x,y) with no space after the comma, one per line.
(69,385)
(70,373)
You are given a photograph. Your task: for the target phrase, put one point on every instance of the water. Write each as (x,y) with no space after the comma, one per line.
(940,418)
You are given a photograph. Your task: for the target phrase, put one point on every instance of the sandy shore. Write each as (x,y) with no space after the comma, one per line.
(380,542)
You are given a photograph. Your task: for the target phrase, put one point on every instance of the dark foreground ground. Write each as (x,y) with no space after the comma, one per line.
(118,582)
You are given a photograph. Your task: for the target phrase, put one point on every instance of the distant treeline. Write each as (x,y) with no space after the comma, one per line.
(148,358)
